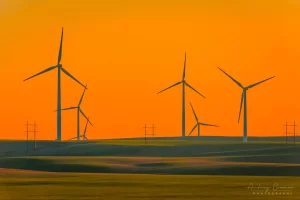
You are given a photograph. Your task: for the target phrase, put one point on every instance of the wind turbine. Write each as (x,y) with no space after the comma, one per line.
(59,69)
(78,113)
(199,123)
(244,99)
(84,133)
(184,83)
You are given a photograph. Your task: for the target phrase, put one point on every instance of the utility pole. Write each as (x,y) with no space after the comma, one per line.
(290,133)
(286,126)
(145,133)
(34,130)
(153,130)
(27,138)
(27,135)
(294,133)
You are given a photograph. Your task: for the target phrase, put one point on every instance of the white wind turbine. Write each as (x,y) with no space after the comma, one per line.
(244,99)
(199,123)
(79,110)
(84,133)
(184,83)
(59,69)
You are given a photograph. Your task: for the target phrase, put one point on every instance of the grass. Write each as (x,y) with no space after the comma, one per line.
(266,165)
(153,142)
(161,149)
(34,186)
(65,168)
(174,147)
(210,158)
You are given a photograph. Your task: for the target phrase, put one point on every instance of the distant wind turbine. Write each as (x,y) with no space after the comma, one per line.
(199,123)
(60,68)
(79,110)
(184,83)
(84,133)
(244,99)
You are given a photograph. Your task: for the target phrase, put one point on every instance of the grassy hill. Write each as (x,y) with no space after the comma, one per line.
(56,186)
(155,157)
(238,159)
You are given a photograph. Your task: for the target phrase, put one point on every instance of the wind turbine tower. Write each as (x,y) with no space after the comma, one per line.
(244,100)
(184,83)
(59,69)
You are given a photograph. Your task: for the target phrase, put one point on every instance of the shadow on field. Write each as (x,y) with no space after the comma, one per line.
(167,151)
(280,158)
(155,165)
(41,164)
(49,165)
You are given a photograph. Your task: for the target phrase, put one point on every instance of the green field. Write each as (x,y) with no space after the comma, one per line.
(180,142)
(164,157)
(131,147)
(159,169)
(53,186)
(263,165)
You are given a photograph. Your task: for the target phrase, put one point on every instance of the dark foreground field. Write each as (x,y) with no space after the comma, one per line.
(19,185)
(162,157)
(190,146)
(159,169)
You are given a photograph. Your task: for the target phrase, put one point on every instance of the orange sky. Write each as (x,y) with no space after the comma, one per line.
(127,51)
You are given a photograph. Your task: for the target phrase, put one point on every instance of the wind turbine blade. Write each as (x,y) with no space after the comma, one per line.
(82,96)
(193,129)
(194,89)
(66,109)
(85,117)
(60,47)
(183,76)
(44,71)
(239,84)
(250,86)
(194,113)
(204,124)
(170,87)
(85,137)
(85,127)
(67,73)
(83,114)
(72,138)
(242,99)
(70,108)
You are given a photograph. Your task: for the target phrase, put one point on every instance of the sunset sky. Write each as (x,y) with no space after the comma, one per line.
(127,51)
